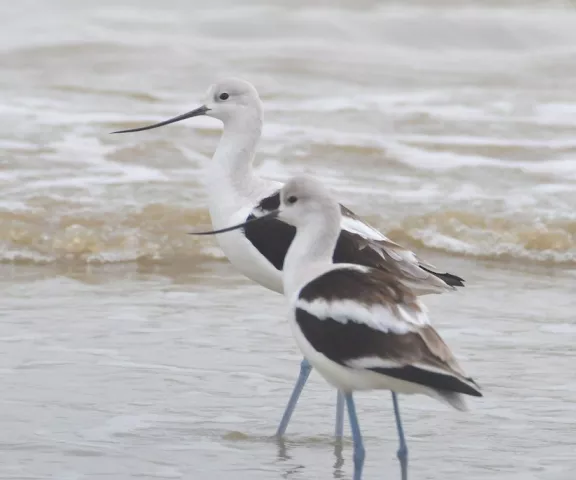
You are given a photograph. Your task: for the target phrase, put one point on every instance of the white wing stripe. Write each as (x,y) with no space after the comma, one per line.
(363,363)
(378,317)
(358,227)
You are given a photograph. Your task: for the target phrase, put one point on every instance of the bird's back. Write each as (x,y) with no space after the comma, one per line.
(366,320)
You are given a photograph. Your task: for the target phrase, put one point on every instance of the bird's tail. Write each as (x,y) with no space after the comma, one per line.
(453,399)
(447,278)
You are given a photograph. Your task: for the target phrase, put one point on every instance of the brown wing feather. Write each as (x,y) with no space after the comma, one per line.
(395,257)
(419,355)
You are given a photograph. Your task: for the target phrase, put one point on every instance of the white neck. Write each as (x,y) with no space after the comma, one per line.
(230,176)
(311,251)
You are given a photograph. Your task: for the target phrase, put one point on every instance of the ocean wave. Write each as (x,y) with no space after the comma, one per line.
(475,235)
(432,153)
(157,233)
(154,233)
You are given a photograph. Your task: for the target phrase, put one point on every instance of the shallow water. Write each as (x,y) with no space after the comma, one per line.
(130,349)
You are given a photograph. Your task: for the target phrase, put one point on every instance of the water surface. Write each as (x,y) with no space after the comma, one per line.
(132,350)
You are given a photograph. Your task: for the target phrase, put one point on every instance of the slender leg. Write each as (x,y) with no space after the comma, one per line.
(403,450)
(305,370)
(356,436)
(339,430)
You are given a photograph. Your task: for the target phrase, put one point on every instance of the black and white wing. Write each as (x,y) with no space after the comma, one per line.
(271,237)
(359,243)
(365,319)
(367,239)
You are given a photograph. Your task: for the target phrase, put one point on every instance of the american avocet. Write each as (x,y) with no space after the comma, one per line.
(236,193)
(360,327)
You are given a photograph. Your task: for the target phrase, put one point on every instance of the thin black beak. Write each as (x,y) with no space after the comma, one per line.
(272,214)
(194,113)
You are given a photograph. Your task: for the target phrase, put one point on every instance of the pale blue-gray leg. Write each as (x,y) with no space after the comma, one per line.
(305,369)
(356,437)
(403,450)
(339,430)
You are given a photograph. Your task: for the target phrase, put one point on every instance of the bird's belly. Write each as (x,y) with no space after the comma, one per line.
(248,260)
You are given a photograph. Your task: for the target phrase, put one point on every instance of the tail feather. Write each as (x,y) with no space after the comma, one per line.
(439,381)
(448,278)
(453,399)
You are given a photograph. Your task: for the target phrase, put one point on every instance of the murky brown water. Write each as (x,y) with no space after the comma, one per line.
(131,350)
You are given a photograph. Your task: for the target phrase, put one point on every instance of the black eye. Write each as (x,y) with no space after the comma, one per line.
(291,199)
(223,96)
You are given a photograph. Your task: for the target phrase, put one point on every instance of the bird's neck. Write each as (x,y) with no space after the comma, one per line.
(232,161)
(311,251)
(230,177)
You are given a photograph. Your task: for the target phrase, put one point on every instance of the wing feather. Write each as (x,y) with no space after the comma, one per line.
(370,321)
(359,243)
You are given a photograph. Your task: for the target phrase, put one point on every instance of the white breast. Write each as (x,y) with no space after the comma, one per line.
(227,210)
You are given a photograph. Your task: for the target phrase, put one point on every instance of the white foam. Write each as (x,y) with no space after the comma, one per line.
(492,245)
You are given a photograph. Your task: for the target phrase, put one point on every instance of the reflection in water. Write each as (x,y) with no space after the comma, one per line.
(338,447)
(283,455)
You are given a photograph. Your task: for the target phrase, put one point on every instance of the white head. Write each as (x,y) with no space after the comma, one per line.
(232,100)
(304,200)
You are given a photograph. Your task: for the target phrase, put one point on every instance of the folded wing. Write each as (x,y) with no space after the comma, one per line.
(368,320)
(359,243)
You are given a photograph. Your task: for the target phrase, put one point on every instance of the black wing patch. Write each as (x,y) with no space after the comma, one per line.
(338,341)
(272,238)
(270,203)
